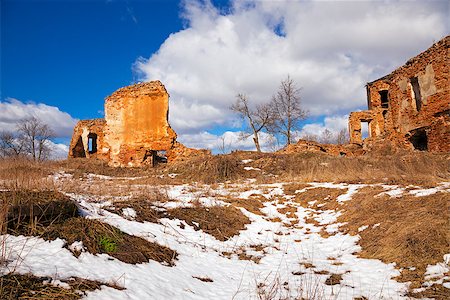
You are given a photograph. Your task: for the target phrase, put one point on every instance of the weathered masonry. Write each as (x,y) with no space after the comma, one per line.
(411,106)
(134,132)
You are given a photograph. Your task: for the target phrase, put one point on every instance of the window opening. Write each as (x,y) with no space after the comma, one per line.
(92,143)
(365,129)
(384,98)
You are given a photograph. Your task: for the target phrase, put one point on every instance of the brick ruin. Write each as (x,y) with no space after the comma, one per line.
(410,107)
(134,132)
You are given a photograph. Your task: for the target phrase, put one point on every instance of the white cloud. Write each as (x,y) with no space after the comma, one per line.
(58,151)
(331,49)
(334,124)
(13,110)
(228,141)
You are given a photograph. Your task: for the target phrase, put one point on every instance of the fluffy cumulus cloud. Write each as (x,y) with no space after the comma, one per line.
(228,141)
(330,49)
(334,124)
(13,111)
(58,150)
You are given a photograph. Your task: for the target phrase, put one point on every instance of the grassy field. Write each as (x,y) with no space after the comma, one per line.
(395,207)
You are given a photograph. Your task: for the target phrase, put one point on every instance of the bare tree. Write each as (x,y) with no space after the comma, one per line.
(342,137)
(36,136)
(257,118)
(224,146)
(326,137)
(10,145)
(286,110)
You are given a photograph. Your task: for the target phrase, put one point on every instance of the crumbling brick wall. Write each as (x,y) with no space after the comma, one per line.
(88,139)
(135,130)
(137,123)
(411,106)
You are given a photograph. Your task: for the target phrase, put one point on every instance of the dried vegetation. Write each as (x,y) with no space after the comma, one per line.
(222,222)
(16,286)
(410,231)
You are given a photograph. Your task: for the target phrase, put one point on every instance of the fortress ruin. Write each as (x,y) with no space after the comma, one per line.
(134,132)
(409,107)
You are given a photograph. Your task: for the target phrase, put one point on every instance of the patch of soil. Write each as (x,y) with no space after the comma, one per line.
(98,237)
(222,222)
(410,231)
(16,286)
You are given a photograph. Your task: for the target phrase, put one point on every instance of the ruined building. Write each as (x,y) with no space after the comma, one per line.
(134,132)
(409,107)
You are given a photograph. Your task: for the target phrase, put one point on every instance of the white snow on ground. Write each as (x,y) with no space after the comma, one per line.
(129,213)
(435,274)
(251,168)
(288,249)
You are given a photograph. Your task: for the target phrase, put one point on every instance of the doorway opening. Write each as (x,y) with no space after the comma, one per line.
(419,139)
(78,150)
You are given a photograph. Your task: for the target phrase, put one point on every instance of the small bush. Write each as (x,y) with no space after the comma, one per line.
(108,244)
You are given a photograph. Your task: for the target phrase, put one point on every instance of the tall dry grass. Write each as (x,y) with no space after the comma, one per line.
(421,168)
(408,230)
(415,168)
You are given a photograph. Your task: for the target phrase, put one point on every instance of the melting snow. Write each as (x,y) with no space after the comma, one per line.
(285,247)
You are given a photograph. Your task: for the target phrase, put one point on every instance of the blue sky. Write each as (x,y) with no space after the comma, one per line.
(72,54)
(60,59)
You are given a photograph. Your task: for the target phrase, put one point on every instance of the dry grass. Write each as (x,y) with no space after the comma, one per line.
(16,286)
(219,168)
(98,237)
(325,198)
(333,279)
(291,188)
(252,204)
(79,167)
(419,168)
(144,206)
(23,174)
(222,222)
(204,279)
(413,231)
(436,291)
(27,211)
